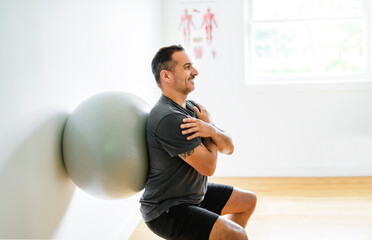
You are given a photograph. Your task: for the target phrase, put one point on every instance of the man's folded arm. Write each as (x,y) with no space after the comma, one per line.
(203,158)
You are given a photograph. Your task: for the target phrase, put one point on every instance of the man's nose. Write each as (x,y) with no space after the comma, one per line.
(195,72)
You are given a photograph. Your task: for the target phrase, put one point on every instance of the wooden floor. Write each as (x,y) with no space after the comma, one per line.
(303,209)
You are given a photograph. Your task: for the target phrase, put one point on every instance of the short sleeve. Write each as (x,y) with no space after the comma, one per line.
(169,135)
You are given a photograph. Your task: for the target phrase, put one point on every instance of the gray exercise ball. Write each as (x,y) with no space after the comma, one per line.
(104,145)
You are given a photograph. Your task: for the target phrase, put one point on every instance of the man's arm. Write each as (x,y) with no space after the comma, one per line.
(203,158)
(202,127)
(201,154)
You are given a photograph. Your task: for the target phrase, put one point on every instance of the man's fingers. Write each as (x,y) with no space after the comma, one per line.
(188,125)
(189,119)
(190,130)
(196,110)
(201,107)
(193,136)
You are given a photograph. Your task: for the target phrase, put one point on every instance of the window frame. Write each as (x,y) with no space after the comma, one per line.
(360,80)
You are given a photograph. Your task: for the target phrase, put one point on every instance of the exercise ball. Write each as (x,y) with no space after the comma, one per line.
(104,145)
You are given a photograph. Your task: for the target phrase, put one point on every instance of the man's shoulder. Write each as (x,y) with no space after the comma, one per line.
(161,112)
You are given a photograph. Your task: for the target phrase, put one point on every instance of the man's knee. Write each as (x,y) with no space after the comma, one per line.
(254,199)
(251,201)
(242,235)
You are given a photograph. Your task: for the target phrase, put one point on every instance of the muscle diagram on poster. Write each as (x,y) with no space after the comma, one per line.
(198,28)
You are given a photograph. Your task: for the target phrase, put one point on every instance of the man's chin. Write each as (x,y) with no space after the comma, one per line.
(189,90)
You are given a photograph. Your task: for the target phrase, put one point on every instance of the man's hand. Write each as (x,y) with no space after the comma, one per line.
(203,127)
(203,114)
(198,127)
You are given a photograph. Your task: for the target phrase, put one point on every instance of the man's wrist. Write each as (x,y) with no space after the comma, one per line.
(214,134)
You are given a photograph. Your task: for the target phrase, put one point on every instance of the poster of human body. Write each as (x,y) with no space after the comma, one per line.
(198,27)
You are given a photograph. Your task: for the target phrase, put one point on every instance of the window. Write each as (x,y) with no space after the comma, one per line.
(306,40)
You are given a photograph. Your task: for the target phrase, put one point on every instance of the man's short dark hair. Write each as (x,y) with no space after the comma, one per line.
(163,60)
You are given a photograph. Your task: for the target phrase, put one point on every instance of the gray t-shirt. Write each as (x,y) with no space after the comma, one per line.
(170,181)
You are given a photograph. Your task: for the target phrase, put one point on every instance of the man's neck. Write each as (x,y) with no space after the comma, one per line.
(178,98)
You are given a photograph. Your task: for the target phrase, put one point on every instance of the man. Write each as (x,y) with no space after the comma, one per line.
(183,144)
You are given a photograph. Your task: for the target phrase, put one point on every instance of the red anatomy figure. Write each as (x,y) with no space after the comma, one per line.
(186,21)
(208,21)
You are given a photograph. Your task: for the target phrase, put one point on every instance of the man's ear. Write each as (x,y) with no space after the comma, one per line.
(165,75)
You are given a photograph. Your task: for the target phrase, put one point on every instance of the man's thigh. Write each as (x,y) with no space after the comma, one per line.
(216,197)
(240,201)
(184,222)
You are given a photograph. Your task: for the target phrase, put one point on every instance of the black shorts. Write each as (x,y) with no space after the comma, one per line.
(187,221)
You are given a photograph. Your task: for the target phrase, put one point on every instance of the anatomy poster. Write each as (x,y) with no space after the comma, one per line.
(198,27)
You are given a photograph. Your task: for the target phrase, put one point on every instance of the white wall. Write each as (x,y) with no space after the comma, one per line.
(53,55)
(320,129)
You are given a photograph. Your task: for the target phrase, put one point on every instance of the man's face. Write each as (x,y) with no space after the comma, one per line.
(183,73)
